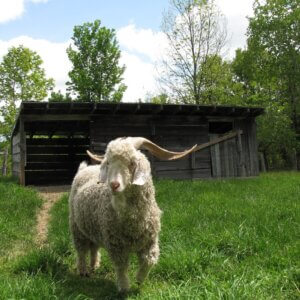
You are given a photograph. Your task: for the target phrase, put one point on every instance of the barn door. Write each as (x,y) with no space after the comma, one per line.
(225,156)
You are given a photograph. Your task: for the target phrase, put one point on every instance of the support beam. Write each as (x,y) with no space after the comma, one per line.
(22,151)
(219,140)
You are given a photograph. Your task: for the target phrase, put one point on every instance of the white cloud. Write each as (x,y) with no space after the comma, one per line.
(142,41)
(56,62)
(236,13)
(13,9)
(141,48)
(139,77)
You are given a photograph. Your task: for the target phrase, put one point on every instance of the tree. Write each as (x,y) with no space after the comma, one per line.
(158,99)
(218,83)
(196,34)
(59,97)
(269,70)
(275,29)
(21,78)
(96,74)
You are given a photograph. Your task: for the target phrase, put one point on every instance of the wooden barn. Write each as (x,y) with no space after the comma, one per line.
(49,140)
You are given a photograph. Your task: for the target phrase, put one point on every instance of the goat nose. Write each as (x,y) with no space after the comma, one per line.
(114,185)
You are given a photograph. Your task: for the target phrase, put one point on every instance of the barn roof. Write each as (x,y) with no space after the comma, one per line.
(56,110)
(30,107)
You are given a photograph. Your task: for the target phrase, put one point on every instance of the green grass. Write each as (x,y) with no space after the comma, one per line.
(232,239)
(18,208)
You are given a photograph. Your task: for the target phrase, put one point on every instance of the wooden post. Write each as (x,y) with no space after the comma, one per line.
(262,162)
(241,165)
(22,151)
(4,164)
(294,160)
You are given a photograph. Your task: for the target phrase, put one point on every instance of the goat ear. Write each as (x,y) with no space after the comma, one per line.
(139,176)
(103,171)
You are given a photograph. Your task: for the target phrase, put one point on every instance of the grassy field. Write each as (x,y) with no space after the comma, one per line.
(233,239)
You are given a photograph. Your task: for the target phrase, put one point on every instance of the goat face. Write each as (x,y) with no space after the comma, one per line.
(123,166)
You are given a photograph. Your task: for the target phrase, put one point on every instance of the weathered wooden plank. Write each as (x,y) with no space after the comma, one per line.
(222,159)
(56,158)
(55,117)
(16,149)
(218,140)
(16,139)
(180,130)
(51,165)
(138,120)
(182,164)
(16,167)
(240,157)
(245,147)
(23,150)
(120,131)
(215,157)
(253,151)
(213,160)
(193,160)
(242,124)
(57,127)
(57,141)
(234,157)
(230,158)
(16,157)
(226,160)
(262,162)
(56,150)
(185,174)
(218,161)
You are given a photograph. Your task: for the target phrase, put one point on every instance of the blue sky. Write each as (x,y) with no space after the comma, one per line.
(46,26)
(55,19)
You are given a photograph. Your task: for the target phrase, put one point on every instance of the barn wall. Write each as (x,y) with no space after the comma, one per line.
(237,157)
(249,145)
(16,155)
(172,132)
(18,144)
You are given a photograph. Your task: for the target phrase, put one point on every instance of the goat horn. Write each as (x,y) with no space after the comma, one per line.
(157,151)
(95,157)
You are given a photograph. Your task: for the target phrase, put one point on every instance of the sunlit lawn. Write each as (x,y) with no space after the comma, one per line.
(232,239)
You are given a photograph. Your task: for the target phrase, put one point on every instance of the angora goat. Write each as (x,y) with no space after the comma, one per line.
(113,206)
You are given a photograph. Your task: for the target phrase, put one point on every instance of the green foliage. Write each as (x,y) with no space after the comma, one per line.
(21,78)
(228,239)
(96,75)
(59,97)
(277,140)
(159,99)
(218,83)
(269,70)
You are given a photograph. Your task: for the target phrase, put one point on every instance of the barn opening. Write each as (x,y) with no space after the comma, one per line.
(220,127)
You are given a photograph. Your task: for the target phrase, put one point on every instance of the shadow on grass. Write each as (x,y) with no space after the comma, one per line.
(8,179)
(74,287)
(68,285)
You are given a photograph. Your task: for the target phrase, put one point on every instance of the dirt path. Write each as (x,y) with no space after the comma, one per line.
(51,194)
